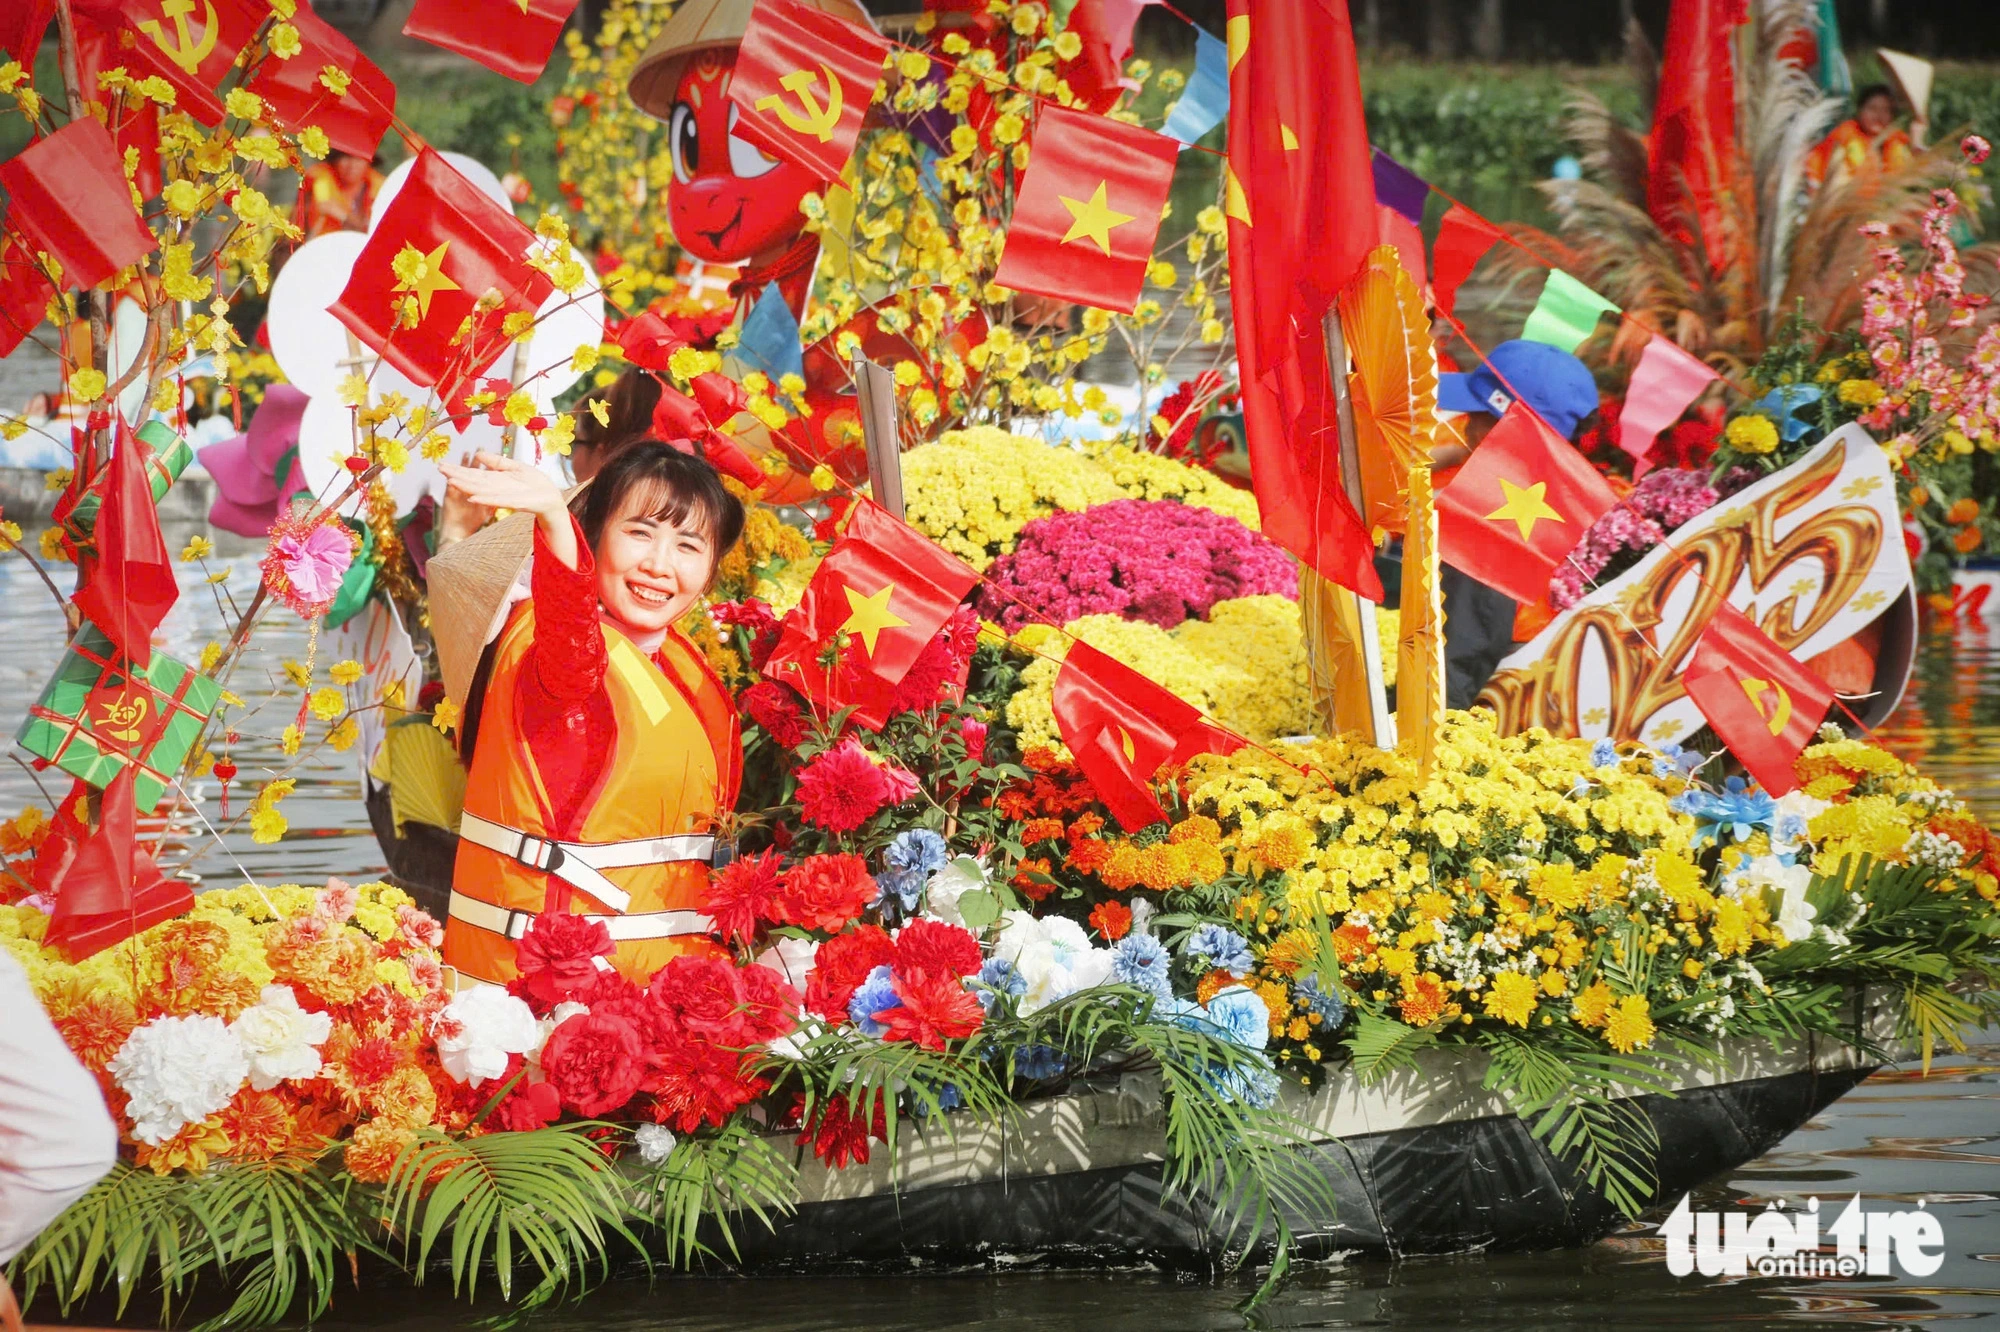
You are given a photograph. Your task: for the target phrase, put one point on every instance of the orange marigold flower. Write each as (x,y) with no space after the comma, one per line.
(1122,868)
(1042,830)
(1113,920)
(1280,848)
(1015,804)
(1423,999)
(1277,997)
(1087,856)
(1163,866)
(1212,984)
(1205,862)
(1353,942)
(371,1153)
(1087,824)
(1024,879)
(405,1096)
(1196,828)
(259,1125)
(189,1150)
(94,1023)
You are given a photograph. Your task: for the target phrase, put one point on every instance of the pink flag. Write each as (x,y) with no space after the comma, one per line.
(1666,381)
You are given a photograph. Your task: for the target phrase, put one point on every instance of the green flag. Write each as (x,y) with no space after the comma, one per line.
(1566,313)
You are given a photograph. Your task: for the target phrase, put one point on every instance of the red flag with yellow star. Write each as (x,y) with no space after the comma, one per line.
(440,247)
(879,597)
(803,82)
(300,93)
(511,37)
(1516,510)
(1760,700)
(1122,726)
(192,44)
(1088,211)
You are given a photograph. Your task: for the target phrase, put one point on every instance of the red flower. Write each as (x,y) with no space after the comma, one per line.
(531,1105)
(741,893)
(973,732)
(838,1132)
(933,946)
(842,788)
(756,617)
(695,1083)
(939,670)
(595,1061)
(825,892)
(712,999)
(1113,920)
(557,958)
(776,708)
(936,1008)
(842,963)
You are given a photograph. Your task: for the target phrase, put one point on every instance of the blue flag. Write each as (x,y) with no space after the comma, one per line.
(1206,100)
(769,338)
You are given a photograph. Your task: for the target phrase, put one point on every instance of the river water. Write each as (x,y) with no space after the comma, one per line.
(1898,1139)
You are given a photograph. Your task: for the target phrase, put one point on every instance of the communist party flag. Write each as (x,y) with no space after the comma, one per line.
(440,247)
(354,121)
(1122,726)
(1300,197)
(130,585)
(888,589)
(1516,510)
(511,37)
(803,82)
(67,195)
(190,43)
(1759,699)
(105,888)
(1089,210)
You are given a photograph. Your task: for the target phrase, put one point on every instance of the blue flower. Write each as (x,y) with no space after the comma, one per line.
(949,1097)
(1241,1018)
(1604,754)
(1735,807)
(919,851)
(1676,761)
(1141,961)
(876,993)
(1040,1062)
(899,887)
(1238,1016)
(1328,1006)
(1781,404)
(996,978)
(1214,946)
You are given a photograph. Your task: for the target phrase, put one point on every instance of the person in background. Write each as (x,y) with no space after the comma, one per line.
(336,195)
(56,1137)
(1866,141)
(1478,620)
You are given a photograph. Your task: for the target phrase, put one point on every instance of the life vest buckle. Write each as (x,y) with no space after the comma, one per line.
(536,853)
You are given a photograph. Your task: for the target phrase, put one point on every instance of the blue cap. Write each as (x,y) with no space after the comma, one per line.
(1553,382)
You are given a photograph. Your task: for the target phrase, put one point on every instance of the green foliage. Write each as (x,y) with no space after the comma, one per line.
(712,1179)
(1381,1046)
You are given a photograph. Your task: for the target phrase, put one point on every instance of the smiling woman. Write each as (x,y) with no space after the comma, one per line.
(603,749)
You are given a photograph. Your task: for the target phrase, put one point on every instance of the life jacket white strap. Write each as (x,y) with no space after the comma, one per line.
(581,864)
(643,925)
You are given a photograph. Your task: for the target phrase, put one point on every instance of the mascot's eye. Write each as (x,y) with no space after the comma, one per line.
(746,160)
(684,138)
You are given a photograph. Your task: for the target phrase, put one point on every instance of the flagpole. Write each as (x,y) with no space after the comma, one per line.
(1359,612)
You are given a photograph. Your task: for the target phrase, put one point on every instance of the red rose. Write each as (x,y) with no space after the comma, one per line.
(974,734)
(840,966)
(825,892)
(933,946)
(936,1008)
(742,893)
(595,1061)
(531,1105)
(557,958)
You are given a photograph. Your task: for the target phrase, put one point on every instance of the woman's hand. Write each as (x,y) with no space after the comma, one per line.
(458,517)
(493,482)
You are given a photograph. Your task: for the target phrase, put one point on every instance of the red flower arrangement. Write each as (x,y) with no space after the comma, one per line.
(557,958)
(933,947)
(824,892)
(936,1007)
(839,1132)
(596,1063)
(844,961)
(742,893)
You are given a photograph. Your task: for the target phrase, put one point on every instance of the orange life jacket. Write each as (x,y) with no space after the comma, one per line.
(674,766)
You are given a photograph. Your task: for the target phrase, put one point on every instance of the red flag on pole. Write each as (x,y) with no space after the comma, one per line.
(441,246)
(354,121)
(1463,239)
(1759,699)
(1666,380)
(104,888)
(1516,510)
(1089,210)
(191,45)
(22,23)
(1300,197)
(137,122)
(129,587)
(511,37)
(887,590)
(803,82)
(67,195)
(24,293)
(1122,726)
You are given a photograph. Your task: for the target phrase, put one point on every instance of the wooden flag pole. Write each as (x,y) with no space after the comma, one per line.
(875,389)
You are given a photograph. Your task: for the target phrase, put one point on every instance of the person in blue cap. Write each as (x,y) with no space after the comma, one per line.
(1478,620)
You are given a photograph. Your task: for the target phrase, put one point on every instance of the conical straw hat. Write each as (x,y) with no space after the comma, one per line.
(469,581)
(705,25)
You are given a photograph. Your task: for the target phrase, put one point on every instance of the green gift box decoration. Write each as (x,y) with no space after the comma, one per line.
(100,713)
(167,456)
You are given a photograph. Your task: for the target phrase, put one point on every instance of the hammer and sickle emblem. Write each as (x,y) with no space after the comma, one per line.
(124,720)
(1780,713)
(816,120)
(184,50)
(1125,743)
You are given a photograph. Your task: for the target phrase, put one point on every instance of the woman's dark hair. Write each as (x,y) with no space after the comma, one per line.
(1874,90)
(672,485)
(629,401)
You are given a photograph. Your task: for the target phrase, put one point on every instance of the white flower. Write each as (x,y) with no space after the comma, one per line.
(791,958)
(1067,938)
(178,1071)
(479,1028)
(281,1038)
(1143,912)
(1018,932)
(952,882)
(1793,915)
(656,1142)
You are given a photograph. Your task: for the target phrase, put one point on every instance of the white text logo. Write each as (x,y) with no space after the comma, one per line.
(1776,1242)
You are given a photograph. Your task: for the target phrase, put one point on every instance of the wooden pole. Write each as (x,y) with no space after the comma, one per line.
(875,389)
(1365,704)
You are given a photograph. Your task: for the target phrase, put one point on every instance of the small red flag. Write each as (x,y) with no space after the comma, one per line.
(511,37)
(1517,509)
(105,889)
(24,294)
(138,118)
(354,121)
(67,195)
(889,589)
(440,247)
(1122,726)
(1089,210)
(191,45)
(129,588)
(22,24)
(803,82)
(1759,699)
(1097,73)
(1464,237)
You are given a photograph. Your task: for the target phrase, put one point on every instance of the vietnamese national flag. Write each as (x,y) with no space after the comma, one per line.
(1122,726)
(1300,197)
(137,125)
(129,587)
(67,195)
(441,245)
(803,82)
(1519,506)
(354,121)
(192,44)
(889,590)
(105,888)
(1759,699)
(1089,209)
(511,37)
